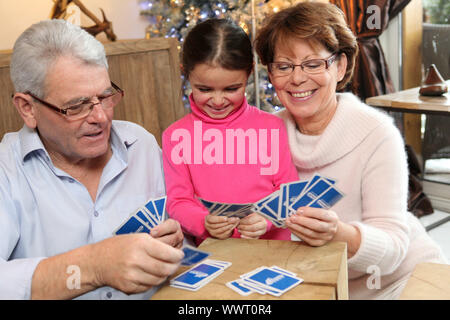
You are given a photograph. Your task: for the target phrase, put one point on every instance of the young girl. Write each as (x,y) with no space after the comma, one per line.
(225,150)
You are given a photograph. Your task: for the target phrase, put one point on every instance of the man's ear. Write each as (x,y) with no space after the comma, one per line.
(25,107)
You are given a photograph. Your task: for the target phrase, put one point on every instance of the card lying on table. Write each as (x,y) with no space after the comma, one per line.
(198,276)
(274,281)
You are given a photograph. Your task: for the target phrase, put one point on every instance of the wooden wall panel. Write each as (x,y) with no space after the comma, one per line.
(412,60)
(147,70)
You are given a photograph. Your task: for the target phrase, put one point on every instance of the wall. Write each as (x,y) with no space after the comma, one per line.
(391,44)
(17,15)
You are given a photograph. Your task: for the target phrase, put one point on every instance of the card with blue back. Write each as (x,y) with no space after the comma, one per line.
(327,199)
(144,219)
(317,189)
(160,205)
(193,255)
(132,225)
(276,281)
(197,276)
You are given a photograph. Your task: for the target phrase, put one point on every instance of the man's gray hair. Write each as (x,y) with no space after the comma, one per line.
(42,44)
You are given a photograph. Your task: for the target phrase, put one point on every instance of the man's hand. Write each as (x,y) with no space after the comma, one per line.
(133,263)
(169,232)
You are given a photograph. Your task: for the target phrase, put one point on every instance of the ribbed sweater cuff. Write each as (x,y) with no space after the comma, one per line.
(372,248)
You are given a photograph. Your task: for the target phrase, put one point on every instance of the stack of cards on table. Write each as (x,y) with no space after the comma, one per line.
(318,192)
(199,275)
(145,218)
(273,280)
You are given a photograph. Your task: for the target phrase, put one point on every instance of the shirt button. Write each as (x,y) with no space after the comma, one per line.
(96,213)
(109,294)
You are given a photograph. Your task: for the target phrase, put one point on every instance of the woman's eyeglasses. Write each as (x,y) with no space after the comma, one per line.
(313,66)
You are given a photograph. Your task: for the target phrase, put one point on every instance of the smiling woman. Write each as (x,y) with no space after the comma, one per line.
(338,136)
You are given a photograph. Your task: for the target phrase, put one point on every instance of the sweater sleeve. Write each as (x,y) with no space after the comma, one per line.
(181,202)
(384,229)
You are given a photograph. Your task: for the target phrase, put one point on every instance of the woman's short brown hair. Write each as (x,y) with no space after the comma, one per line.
(318,23)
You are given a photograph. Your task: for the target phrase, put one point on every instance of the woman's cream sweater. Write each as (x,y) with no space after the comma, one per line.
(363,150)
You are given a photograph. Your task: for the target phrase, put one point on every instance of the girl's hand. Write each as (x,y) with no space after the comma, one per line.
(252,226)
(315,226)
(220,227)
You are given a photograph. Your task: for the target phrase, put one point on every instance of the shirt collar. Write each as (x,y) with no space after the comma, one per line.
(30,141)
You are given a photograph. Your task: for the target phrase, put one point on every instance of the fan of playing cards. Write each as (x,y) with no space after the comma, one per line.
(145,218)
(317,192)
(151,215)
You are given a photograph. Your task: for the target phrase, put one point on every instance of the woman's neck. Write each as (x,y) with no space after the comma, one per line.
(317,123)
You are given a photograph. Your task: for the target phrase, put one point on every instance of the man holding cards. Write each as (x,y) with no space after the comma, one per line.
(71,176)
(310,52)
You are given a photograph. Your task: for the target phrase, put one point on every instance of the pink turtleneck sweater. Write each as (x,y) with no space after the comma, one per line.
(239,159)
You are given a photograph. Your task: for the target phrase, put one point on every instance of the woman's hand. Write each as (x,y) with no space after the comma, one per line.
(252,226)
(315,226)
(220,227)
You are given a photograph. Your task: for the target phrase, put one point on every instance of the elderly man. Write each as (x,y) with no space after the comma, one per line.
(72,175)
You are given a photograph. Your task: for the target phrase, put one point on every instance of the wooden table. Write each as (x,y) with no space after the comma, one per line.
(411,101)
(324,269)
(429,281)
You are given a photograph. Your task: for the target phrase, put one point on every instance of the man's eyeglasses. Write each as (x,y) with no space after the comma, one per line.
(82,110)
(313,66)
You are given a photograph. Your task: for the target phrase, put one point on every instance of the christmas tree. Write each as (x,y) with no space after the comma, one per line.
(174,18)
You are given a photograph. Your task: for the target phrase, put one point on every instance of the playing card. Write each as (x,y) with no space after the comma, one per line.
(294,190)
(289,273)
(132,225)
(262,202)
(160,206)
(150,216)
(251,286)
(268,214)
(218,263)
(282,214)
(274,205)
(236,210)
(275,281)
(144,217)
(236,286)
(197,276)
(327,199)
(208,204)
(193,255)
(150,207)
(218,208)
(312,194)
